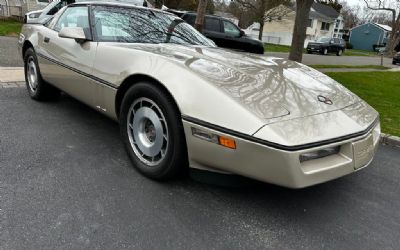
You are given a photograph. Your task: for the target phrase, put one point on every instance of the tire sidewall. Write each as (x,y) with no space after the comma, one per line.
(175,154)
(31,53)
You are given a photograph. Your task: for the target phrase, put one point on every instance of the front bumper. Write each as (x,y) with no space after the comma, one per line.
(277,166)
(314,50)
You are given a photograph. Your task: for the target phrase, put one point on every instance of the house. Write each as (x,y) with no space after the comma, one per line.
(367,35)
(18,8)
(323,21)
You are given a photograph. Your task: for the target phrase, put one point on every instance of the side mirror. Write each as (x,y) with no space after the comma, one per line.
(76,33)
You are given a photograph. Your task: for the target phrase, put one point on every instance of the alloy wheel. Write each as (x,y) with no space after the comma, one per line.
(32,74)
(147,131)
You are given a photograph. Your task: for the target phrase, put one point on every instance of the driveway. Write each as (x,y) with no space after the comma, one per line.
(66,182)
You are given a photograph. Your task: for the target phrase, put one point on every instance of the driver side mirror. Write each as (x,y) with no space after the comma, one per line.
(76,33)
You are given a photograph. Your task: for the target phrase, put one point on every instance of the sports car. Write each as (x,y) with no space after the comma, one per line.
(182,102)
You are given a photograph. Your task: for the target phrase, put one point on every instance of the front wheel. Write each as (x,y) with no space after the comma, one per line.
(325,52)
(152,132)
(38,89)
(339,53)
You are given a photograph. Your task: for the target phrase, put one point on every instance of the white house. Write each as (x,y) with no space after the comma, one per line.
(324,21)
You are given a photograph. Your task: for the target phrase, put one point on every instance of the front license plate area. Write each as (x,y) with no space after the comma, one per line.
(363,151)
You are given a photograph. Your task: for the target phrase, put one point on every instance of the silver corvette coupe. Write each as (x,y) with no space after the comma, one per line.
(182,102)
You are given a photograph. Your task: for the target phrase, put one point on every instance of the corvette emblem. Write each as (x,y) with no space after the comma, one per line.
(325,100)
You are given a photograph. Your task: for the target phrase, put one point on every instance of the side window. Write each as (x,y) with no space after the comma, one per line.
(190,19)
(231,29)
(212,24)
(113,26)
(73,17)
(56,8)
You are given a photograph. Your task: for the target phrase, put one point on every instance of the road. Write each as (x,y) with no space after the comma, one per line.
(66,182)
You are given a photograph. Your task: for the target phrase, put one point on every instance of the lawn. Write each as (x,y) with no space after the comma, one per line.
(10,27)
(381,90)
(356,52)
(268,47)
(327,66)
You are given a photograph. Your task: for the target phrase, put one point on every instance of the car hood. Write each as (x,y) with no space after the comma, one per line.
(315,44)
(271,88)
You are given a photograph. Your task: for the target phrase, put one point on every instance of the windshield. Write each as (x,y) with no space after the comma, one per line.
(323,40)
(137,25)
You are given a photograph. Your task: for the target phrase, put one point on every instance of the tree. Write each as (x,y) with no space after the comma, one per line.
(350,15)
(392,6)
(333,3)
(299,32)
(201,11)
(264,10)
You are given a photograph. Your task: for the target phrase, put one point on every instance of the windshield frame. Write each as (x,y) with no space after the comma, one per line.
(204,41)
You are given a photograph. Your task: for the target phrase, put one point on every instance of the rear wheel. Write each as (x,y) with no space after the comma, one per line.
(38,89)
(152,132)
(339,53)
(325,51)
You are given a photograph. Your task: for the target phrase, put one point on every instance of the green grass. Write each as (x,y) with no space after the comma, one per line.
(268,47)
(9,27)
(381,90)
(356,52)
(326,66)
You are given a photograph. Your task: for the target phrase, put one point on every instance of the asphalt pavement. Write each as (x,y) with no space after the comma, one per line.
(67,183)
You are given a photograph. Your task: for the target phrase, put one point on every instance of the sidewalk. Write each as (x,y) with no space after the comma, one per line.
(12,77)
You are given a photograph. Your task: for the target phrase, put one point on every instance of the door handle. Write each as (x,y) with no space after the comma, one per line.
(46,39)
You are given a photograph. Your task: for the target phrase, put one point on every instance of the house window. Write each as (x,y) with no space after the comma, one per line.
(325,26)
(310,23)
(337,24)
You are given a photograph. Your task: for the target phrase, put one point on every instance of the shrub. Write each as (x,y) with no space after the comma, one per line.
(349,45)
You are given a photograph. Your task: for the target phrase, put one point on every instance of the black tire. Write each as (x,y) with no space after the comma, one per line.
(42,91)
(324,51)
(339,53)
(174,161)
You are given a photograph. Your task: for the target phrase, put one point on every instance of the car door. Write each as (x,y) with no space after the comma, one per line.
(213,31)
(65,63)
(233,36)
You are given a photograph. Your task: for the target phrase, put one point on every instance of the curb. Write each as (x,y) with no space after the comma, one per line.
(390,140)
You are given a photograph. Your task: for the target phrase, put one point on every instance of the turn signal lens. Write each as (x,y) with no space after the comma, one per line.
(226,142)
(210,137)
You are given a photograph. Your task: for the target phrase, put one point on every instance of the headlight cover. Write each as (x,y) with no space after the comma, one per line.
(35,15)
